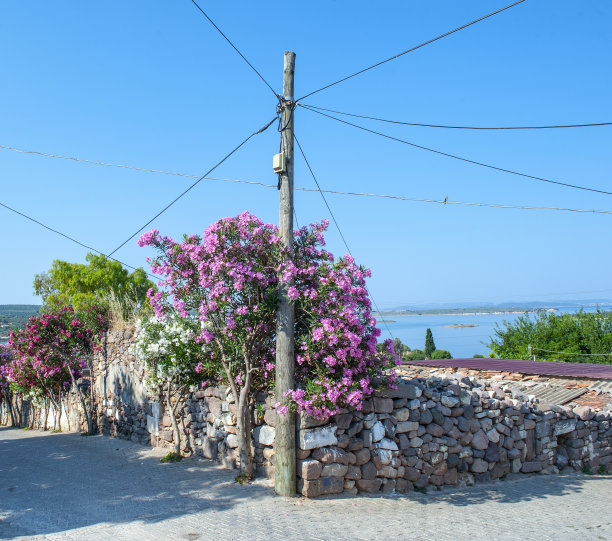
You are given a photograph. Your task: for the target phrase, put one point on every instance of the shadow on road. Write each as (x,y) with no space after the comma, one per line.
(57,482)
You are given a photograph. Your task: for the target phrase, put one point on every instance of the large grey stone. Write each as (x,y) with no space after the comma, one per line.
(378,431)
(264,435)
(313,438)
(152,425)
(406,426)
(563,427)
(334,470)
(386,443)
(408,390)
(450,401)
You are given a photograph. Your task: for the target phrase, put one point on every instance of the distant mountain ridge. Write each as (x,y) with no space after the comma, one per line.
(16,315)
(502,306)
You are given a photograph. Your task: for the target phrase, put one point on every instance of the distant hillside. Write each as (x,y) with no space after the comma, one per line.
(15,315)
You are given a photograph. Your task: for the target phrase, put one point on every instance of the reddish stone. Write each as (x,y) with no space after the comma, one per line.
(369,485)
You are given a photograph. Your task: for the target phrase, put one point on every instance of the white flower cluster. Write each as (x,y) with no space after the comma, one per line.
(168,348)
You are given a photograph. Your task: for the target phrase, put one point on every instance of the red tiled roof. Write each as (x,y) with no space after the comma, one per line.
(544,368)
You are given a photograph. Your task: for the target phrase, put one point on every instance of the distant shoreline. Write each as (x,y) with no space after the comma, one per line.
(384,315)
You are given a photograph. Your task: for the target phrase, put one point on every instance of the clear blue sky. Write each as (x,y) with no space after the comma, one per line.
(151,84)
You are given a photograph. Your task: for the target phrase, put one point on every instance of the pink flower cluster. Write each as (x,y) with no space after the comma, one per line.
(41,350)
(231,276)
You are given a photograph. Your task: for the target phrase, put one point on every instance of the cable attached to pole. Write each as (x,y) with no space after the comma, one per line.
(595,124)
(448,155)
(336,222)
(410,50)
(278,97)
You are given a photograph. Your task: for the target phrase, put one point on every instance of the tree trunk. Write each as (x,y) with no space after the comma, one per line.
(82,400)
(244,432)
(46,403)
(175,427)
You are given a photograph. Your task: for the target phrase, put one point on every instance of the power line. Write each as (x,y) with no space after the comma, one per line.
(336,222)
(236,49)
(130,167)
(336,192)
(461,127)
(448,202)
(410,50)
(264,128)
(474,162)
(72,239)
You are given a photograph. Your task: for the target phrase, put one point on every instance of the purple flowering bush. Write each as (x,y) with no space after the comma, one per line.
(230,277)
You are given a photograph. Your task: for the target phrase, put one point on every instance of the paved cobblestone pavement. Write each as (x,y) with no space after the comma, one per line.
(64,486)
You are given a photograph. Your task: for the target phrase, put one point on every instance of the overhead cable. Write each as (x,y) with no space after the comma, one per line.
(264,128)
(448,155)
(337,192)
(410,50)
(236,49)
(462,127)
(193,185)
(336,222)
(72,239)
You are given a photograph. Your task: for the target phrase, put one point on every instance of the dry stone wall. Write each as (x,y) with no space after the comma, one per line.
(455,431)
(68,417)
(430,431)
(207,420)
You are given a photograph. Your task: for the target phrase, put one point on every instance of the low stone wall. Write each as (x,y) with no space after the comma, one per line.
(453,431)
(27,414)
(207,420)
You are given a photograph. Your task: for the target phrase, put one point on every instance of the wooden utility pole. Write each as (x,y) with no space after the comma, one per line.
(284,440)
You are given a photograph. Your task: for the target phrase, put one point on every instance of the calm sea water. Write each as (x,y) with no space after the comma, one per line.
(462,341)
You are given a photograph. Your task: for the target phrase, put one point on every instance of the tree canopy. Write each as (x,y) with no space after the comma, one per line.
(581,337)
(79,284)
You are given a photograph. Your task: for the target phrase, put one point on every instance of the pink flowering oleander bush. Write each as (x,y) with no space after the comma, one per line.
(230,276)
(50,347)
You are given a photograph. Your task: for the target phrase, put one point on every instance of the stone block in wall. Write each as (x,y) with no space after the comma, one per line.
(214,405)
(531,467)
(308,421)
(387,444)
(383,405)
(209,448)
(362,456)
(480,440)
(321,486)
(264,435)
(368,470)
(369,485)
(327,455)
(309,469)
(406,426)
(378,431)
(584,412)
(343,420)
(407,390)
(334,470)
(317,437)
(232,441)
(353,472)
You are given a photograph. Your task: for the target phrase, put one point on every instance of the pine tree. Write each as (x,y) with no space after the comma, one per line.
(430,347)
